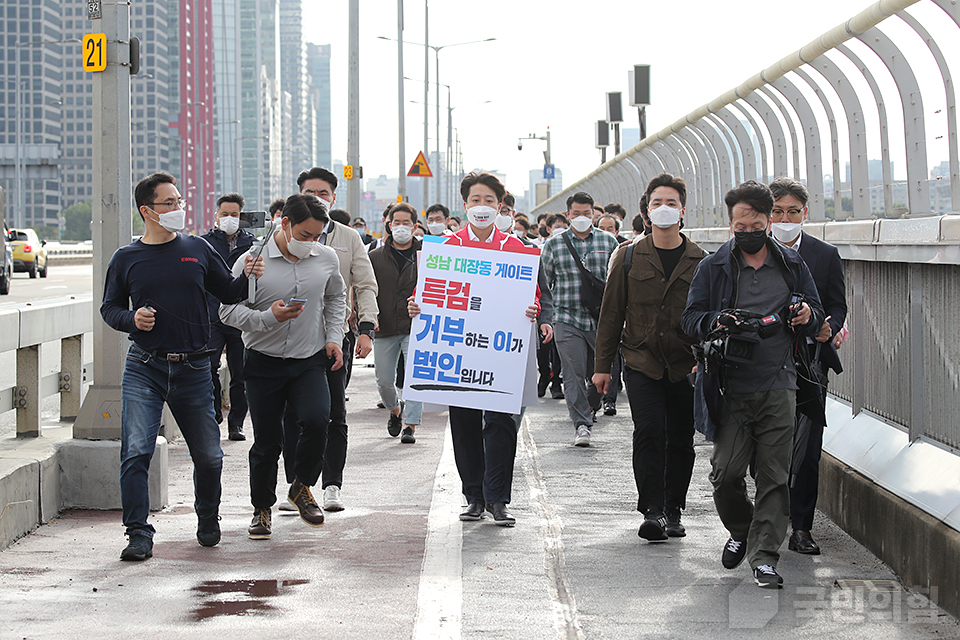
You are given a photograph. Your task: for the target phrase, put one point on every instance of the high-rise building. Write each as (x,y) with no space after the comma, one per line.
(38,98)
(261,103)
(556,186)
(226,96)
(299,151)
(318,59)
(194,108)
(151,106)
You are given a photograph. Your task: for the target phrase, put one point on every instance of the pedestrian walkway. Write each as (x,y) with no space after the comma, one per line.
(397,563)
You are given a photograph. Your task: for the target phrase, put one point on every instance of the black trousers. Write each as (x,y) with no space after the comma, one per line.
(484,447)
(335,454)
(548,363)
(349,346)
(273,383)
(663,453)
(223,336)
(805,468)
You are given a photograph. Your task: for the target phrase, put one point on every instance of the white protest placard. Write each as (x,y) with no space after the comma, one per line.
(469,346)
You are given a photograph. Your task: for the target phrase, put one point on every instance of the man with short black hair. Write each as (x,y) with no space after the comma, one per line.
(563,258)
(437,217)
(166,275)
(357,274)
(395,265)
(276,210)
(752,415)
(642,306)
(789,213)
(231,242)
(287,357)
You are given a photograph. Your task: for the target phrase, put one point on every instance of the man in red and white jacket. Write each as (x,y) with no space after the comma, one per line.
(485,442)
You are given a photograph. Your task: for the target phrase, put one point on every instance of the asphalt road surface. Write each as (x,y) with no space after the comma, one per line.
(397,563)
(66,280)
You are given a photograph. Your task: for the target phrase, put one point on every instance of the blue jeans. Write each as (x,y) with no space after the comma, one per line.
(386,354)
(188,389)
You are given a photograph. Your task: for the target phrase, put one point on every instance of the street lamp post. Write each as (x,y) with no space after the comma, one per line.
(546,154)
(436,52)
(21,217)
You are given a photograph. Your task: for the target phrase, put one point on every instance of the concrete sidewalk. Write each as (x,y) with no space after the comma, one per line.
(397,563)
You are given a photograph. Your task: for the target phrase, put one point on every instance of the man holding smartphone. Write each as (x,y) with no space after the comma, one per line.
(291,329)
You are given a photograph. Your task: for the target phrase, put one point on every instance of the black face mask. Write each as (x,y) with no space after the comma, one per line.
(751,241)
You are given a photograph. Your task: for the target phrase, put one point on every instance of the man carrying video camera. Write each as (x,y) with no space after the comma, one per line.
(750,302)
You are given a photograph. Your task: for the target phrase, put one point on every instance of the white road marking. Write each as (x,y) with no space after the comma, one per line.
(566,619)
(440,599)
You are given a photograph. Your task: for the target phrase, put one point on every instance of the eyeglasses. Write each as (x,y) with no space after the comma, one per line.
(790,213)
(172,204)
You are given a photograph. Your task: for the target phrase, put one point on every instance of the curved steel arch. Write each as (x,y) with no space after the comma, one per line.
(857,129)
(689,174)
(672,162)
(885,167)
(953,11)
(791,127)
(710,172)
(708,130)
(736,154)
(743,141)
(812,149)
(777,139)
(918,195)
(703,171)
(834,139)
(762,171)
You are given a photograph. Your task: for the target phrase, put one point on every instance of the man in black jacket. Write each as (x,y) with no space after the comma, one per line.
(755,416)
(231,242)
(789,212)
(395,265)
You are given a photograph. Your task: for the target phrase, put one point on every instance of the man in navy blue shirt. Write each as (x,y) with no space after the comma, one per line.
(166,276)
(231,242)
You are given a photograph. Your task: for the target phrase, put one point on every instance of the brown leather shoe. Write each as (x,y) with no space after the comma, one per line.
(802,542)
(302,499)
(259,528)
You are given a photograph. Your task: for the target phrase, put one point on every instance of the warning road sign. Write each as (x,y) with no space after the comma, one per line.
(420,169)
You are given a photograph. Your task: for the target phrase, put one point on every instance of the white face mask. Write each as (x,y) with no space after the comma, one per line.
(402,234)
(298,248)
(436,228)
(481,216)
(229,225)
(581,224)
(172,221)
(786,231)
(519,233)
(558,231)
(665,216)
(504,222)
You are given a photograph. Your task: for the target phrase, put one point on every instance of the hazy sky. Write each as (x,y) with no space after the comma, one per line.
(552,64)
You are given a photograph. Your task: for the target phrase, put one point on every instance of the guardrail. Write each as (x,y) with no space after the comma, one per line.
(70,253)
(24,329)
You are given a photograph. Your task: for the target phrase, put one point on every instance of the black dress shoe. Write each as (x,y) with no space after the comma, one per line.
(556,393)
(473,512)
(802,542)
(542,386)
(501,516)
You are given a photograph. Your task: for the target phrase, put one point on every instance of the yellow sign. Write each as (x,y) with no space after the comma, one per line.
(348,172)
(95,52)
(399,198)
(420,169)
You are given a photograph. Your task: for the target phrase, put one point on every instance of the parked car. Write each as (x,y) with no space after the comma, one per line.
(29,253)
(6,273)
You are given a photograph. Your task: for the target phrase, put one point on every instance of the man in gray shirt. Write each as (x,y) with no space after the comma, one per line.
(294,323)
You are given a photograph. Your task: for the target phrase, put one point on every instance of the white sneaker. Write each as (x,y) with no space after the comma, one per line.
(583,436)
(331,499)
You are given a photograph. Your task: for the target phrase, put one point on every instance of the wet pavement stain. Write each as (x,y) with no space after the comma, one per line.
(250,599)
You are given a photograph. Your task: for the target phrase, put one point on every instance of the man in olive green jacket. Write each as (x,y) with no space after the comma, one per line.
(641,314)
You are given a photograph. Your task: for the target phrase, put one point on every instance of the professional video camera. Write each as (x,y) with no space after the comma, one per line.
(736,341)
